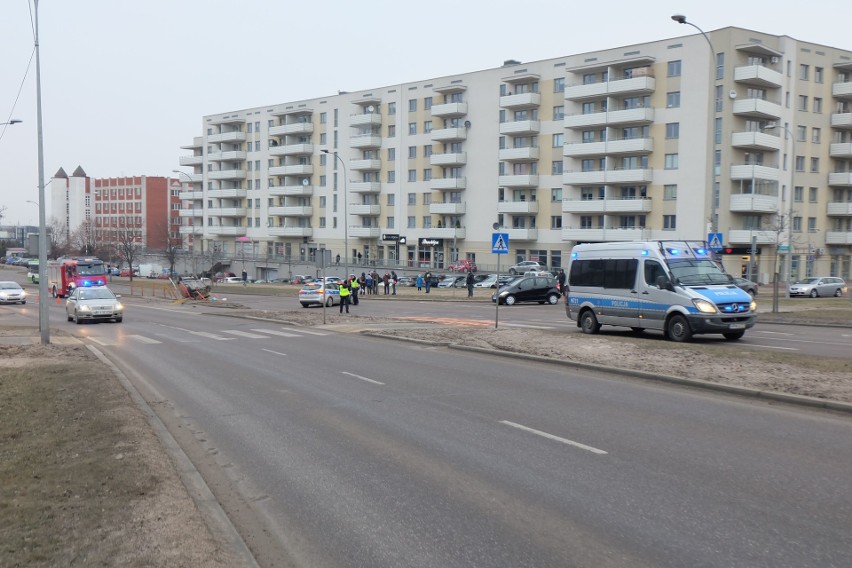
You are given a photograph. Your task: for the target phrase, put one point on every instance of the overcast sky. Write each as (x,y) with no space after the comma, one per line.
(125,83)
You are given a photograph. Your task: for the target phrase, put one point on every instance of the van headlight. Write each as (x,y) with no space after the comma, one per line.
(704,306)
(753,306)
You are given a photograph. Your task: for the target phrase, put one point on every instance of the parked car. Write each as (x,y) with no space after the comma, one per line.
(819,286)
(12,293)
(405,281)
(463,265)
(312,294)
(539,289)
(526,266)
(746,285)
(232,280)
(450,281)
(302,279)
(93,304)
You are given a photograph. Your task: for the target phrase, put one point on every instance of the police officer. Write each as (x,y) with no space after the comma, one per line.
(355,287)
(344,295)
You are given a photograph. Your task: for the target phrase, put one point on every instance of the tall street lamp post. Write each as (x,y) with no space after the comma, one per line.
(681,19)
(345,215)
(788,135)
(43,314)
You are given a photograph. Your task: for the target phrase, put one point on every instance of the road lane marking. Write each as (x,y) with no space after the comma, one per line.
(143,339)
(774,347)
(105,343)
(362,378)
(240,333)
(274,352)
(212,336)
(552,437)
(527,325)
(306,331)
(276,332)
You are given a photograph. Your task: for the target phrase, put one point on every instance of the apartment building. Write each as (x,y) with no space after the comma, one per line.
(662,140)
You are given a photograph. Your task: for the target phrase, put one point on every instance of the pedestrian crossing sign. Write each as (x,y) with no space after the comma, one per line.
(500,243)
(715,241)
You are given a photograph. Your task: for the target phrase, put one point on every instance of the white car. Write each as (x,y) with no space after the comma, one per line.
(232,280)
(526,266)
(97,303)
(12,293)
(312,294)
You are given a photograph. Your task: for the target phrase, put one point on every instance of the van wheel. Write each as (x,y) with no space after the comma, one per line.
(589,323)
(678,329)
(734,335)
(553,299)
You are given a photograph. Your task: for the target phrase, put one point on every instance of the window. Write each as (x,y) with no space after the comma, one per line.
(427,174)
(671,161)
(672,130)
(720,66)
(389,222)
(391,199)
(558,112)
(391,176)
(412,199)
(812,195)
(669,222)
(427,222)
(391,154)
(412,222)
(817,104)
(412,128)
(798,194)
(800,163)
(804,72)
(556,194)
(797,224)
(556,167)
(673,99)
(427,150)
(412,175)
(674,68)
(559,85)
(427,198)
(391,108)
(412,105)
(803,103)
(818,75)
(814,165)
(816,134)
(670,192)
(558,140)
(556,222)
(801,133)
(392,131)
(812,224)
(427,126)
(323,117)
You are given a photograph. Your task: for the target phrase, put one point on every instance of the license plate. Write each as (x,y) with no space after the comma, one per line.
(736,326)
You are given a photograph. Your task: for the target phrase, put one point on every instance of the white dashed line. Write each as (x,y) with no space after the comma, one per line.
(362,378)
(552,437)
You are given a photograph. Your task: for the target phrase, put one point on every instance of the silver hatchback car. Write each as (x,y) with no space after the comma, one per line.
(819,286)
(97,303)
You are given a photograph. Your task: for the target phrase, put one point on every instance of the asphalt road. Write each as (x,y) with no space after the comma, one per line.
(343,450)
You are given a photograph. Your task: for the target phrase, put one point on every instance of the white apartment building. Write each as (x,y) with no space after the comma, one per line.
(662,140)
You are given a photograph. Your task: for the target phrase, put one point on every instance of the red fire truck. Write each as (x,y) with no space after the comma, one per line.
(65,274)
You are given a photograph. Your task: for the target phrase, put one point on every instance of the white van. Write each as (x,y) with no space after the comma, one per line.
(672,286)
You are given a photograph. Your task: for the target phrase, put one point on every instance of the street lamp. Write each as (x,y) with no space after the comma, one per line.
(345,215)
(681,19)
(13,121)
(788,134)
(43,314)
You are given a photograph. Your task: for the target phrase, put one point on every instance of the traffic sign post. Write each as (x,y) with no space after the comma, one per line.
(715,241)
(499,246)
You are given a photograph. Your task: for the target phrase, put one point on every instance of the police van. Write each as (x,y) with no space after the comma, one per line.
(672,286)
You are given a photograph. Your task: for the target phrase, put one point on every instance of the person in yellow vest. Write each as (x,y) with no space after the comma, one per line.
(356,287)
(344,295)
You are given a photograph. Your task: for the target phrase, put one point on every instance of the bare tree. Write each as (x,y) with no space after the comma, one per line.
(57,238)
(84,240)
(129,246)
(172,246)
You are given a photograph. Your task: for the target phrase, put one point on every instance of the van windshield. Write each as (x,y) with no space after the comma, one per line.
(692,272)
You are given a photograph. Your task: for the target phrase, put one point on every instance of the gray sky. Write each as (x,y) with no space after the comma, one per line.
(125,83)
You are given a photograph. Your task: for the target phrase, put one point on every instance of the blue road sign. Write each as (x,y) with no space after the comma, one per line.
(500,243)
(715,241)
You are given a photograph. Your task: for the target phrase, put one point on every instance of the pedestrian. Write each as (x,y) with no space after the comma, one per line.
(375,282)
(428,279)
(344,295)
(419,282)
(337,259)
(362,281)
(355,286)
(245,277)
(386,282)
(394,280)
(469,282)
(560,279)
(369,283)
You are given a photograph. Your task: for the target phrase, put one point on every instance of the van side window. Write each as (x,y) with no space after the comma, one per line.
(617,273)
(652,270)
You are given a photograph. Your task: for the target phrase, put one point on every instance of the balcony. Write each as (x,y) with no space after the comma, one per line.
(230,156)
(189,213)
(226,174)
(191,230)
(639,115)
(757,108)
(755,171)
(758,75)
(522,234)
(451,208)
(364,187)
(370,210)
(449,110)
(227,193)
(365,165)
(292,128)
(842,90)
(840,179)
(605,234)
(452,159)
(603,206)
(518,207)
(190,195)
(448,183)
(756,141)
(449,134)
(842,120)
(292,211)
(291,150)
(841,150)
(290,231)
(292,170)
(294,190)
(443,233)
(744,236)
(520,127)
(624,146)
(226,211)
(616,176)
(365,141)
(521,180)
(839,209)
(235,136)
(643,85)
(520,101)
(226,230)
(365,232)
(838,238)
(365,119)
(754,203)
(526,154)
(191,160)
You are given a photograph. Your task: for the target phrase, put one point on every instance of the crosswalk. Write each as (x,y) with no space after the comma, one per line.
(189,336)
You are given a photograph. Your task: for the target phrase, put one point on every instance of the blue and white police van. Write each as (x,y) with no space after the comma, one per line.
(676,287)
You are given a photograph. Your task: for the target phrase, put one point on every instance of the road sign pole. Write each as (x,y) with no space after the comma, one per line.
(497,295)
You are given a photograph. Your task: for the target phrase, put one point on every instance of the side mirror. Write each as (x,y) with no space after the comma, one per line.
(663,283)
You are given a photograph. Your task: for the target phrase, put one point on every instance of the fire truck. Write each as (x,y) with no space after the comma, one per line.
(65,274)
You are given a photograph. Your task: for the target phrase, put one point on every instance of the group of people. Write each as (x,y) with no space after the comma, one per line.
(366,284)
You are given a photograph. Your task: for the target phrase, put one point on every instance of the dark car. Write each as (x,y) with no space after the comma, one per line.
(746,285)
(539,289)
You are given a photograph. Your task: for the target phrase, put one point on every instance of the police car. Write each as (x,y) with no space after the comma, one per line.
(312,294)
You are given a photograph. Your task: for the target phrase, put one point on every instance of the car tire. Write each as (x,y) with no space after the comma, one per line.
(589,323)
(24,301)
(77,319)
(814,293)
(329,302)
(69,317)
(304,305)
(677,329)
(553,299)
(119,320)
(509,300)
(838,293)
(512,271)
(734,335)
